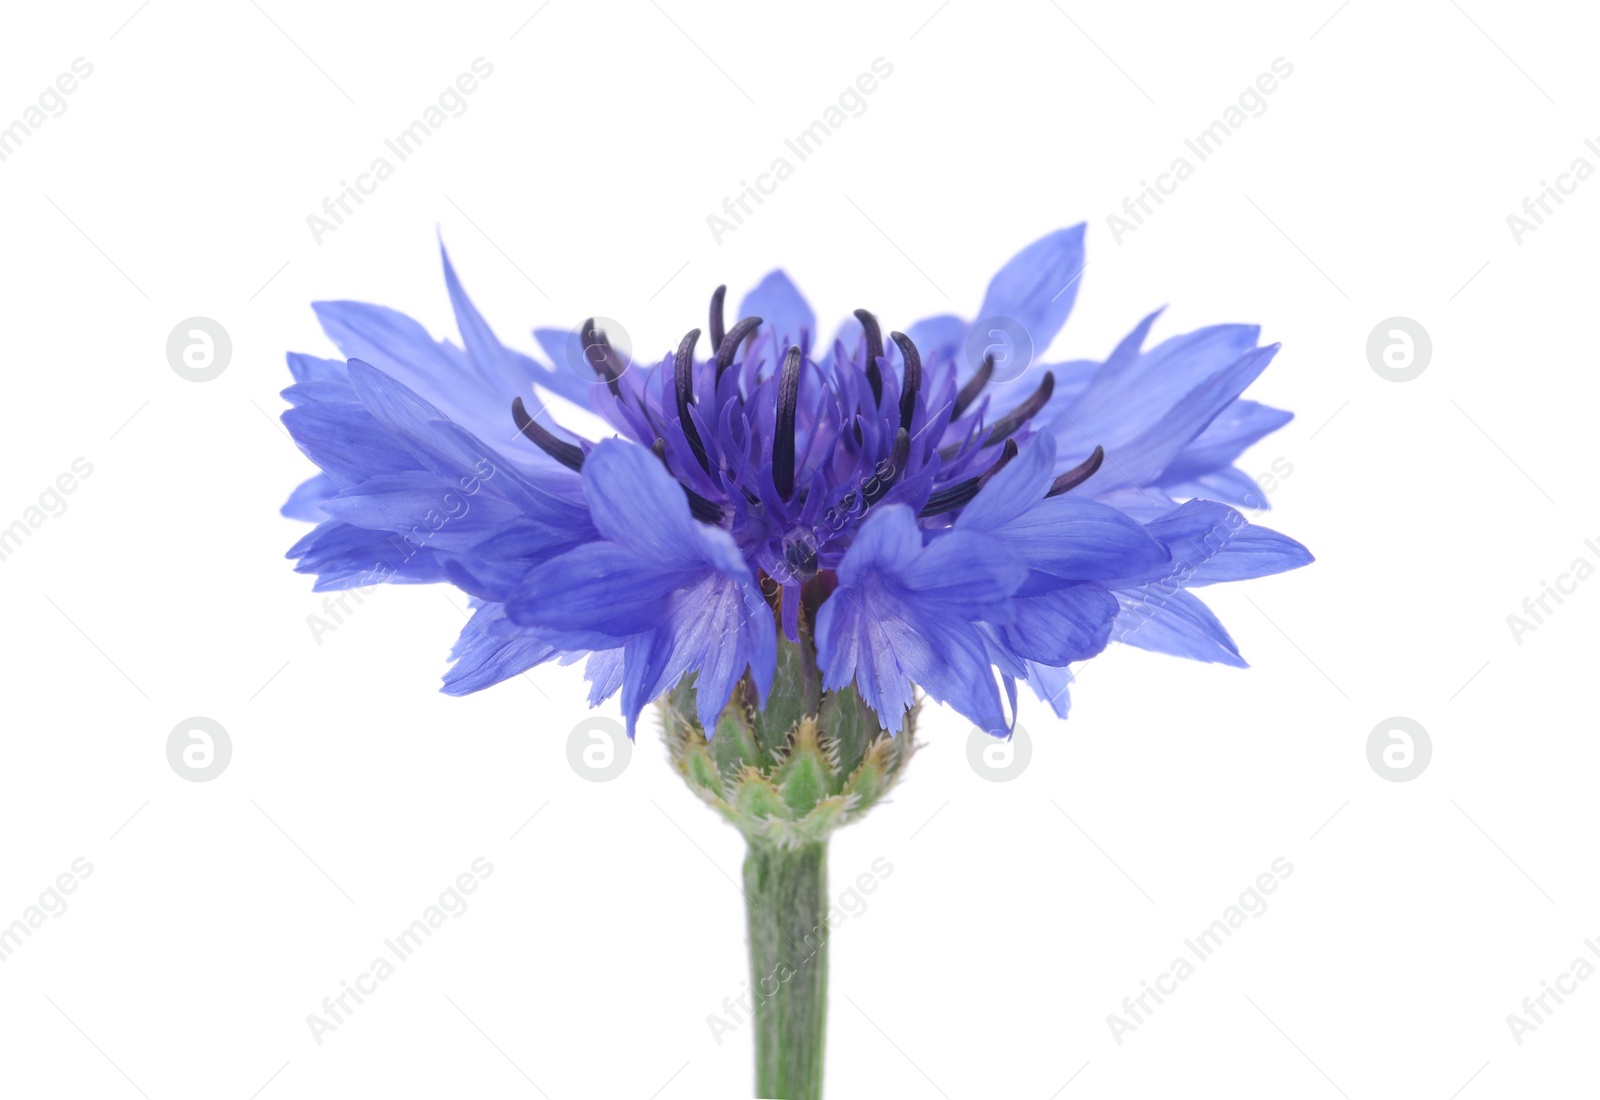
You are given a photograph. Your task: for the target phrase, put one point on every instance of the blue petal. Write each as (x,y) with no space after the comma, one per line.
(498,563)
(636,503)
(486,355)
(1225,439)
(484,658)
(343,556)
(1050,685)
(346,441)
(1135,389)
(306,501)
(600,587)
(451,452)
(940,335)
(398,346)
(1143,460)
(783,310)
(1037,287)
(1211,542)
(1173,622)
(1230,485)
(678,591)
(426,508)
(1253,552)
(1063,536)
(320,392)
(309,368)
(1057,628)
(898,619)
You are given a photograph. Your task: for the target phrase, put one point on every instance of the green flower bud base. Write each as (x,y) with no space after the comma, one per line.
(786,776)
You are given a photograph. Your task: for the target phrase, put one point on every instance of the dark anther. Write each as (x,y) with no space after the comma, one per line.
(569,455)
(1080,473)
(728,346)
(912,382)
(699,507)
(874,349)
(783,434)
(683,376)
(800,555)
(954,496)
(969,393)
(716,316)
(888,472)
(1019,416)
(599,354)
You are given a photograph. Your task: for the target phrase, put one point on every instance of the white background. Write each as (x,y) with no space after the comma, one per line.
(1018,915)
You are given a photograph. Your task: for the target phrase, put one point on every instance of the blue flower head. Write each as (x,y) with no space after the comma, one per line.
(923,522)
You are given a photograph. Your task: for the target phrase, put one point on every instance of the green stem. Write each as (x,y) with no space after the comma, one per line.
(786,890)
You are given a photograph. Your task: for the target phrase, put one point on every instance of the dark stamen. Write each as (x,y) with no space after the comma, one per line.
(600,356)
(883,479)
(699,507)
(716,316)
(1080,473)
(1020,415)
(569,455)
(874,349)
(912,381)
(783,434)
(954,496)
(728,346)
(969,393)
(683,376)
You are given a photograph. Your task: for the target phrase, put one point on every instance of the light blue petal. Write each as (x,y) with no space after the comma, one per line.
(1173,622)
(1037,286)
(1253,552)
(783,310)
(484,658)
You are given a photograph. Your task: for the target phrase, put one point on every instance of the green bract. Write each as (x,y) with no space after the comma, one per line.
(793,772)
